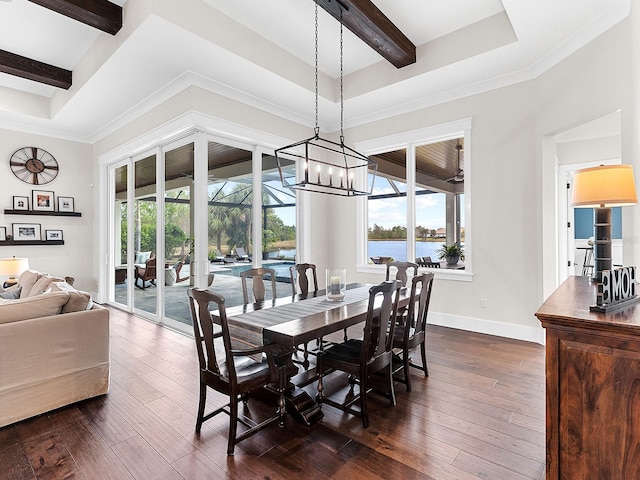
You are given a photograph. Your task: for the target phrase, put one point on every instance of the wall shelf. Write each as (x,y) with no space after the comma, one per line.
(31,242)
(8,211)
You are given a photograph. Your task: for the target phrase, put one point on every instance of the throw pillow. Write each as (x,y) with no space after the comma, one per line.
(26,281)
(142,257)
(32,307)
(42,284)
(78,300)
(11,294)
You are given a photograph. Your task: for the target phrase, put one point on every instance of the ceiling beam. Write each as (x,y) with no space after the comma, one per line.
(34,70)
(100,14)
(369,24)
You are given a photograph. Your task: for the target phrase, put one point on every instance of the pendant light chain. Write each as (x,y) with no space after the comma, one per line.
(341,85)
(324,166)
(317,129)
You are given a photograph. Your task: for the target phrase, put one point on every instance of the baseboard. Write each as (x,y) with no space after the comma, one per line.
(478,325)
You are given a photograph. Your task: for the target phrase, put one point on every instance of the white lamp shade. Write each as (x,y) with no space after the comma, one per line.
(13,266)
(604,186)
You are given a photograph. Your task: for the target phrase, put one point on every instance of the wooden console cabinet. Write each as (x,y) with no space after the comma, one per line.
(593,386)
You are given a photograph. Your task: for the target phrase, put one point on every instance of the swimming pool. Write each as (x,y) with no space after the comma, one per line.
(281,268)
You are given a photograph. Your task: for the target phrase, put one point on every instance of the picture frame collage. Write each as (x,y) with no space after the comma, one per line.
(44,201)
(40,201)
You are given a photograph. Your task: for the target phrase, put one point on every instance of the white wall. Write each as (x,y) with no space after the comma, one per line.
(514,203)
(77,256)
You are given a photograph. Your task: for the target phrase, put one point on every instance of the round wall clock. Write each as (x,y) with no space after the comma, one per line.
(34,165)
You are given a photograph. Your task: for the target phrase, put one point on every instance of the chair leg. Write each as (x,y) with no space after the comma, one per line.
(363,402)
(405,368)
(202,403)
(233,425)
(392,392)
(423,351)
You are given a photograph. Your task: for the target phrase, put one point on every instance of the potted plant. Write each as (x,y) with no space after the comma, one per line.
(451,253)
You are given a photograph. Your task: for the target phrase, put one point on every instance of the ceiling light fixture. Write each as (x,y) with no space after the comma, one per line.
(327,166)
(459,175)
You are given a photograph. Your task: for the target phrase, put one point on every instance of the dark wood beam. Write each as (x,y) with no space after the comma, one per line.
(369,24)
(34,70)
(100,14)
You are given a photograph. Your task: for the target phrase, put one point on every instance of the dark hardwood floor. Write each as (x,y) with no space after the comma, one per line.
(479,415)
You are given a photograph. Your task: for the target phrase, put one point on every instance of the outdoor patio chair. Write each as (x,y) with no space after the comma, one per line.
(177,267)
(146,273)
(220,258)
(427,262)
(243,256)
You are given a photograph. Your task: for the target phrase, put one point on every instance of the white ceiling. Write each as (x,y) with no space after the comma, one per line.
(262,53)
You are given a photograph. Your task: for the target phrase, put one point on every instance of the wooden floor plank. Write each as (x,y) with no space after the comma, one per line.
(479,415)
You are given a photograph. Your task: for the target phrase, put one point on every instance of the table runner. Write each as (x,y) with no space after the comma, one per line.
(245,329)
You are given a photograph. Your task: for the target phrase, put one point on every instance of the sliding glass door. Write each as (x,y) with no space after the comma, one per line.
(170,238)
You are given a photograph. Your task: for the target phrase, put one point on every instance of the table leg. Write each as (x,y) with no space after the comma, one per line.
(298,403)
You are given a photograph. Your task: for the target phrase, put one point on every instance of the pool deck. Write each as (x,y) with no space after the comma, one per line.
(176,303)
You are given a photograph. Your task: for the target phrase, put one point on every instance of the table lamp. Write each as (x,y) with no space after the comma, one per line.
(603,187)
(13,267)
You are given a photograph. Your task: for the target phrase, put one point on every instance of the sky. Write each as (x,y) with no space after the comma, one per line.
(430,211)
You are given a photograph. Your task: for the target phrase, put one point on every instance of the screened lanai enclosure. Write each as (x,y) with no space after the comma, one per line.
(156,193)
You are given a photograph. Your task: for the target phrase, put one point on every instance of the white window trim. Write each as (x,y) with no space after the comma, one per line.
(408,140)
(205,128)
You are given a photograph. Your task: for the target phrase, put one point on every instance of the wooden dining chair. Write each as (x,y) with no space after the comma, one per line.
(235,374)
(401,274)
(362,358)
(301,274)
(411,329)
(300,277)
(401,271)
(257,276)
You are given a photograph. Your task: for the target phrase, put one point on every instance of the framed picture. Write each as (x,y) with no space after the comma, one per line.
(42,200)
(53,235)
(65,204)
(26,231)
(3,234)
(20,203)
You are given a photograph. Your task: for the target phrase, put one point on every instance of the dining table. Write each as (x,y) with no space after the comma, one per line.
(295,320)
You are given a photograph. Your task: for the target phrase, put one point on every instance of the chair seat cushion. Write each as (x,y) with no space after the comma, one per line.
(343,353)
(250,375)
(413,339)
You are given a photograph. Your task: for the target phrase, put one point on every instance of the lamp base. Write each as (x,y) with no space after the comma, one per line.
(9,282)
(602,244)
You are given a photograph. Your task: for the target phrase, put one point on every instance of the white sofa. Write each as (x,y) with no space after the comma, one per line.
(54,348)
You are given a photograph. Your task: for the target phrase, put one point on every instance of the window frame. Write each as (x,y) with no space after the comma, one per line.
(410,140)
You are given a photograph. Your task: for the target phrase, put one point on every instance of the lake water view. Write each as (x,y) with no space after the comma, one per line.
(398,249)
(384,248)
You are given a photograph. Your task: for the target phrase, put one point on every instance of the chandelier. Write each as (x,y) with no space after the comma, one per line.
(327,166)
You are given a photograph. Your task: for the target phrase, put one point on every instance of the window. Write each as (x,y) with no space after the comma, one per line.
(418,200)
